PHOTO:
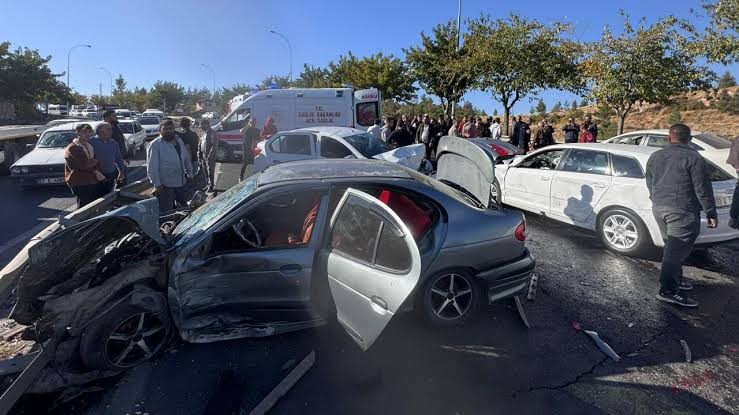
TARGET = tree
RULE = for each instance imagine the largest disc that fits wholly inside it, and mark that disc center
(541, 107)
(674, 116)
(727, 102)
(166, 95)
(517, 57)
(386, 73)
(140, 99)
(643, 64)
(557, 107)
(532, 110)
(727, 80)
(98, 100)
(25, 78)
(120, 85)
(720, 40)
(314, 77)
(271, 80)
(566, 104)
(495, 111)
(440, 67)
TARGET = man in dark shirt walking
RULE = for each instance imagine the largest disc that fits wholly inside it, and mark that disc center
(190, 137)
(110, 117)
(679, 187)
(250, 135)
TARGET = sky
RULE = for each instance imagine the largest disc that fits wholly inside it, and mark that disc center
(146, 41)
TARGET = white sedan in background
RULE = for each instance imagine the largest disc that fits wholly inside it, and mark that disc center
(151, 126)
(135, 136)
(710, 146)
(334, 142)
(601, 187)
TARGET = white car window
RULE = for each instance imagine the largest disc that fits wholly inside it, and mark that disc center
(548, 160)
(333, 149)
(292, 144)
(586, 161)
(624, 166)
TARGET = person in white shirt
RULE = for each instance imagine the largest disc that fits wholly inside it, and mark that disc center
(495, 130)
(387, 129)
(375, 130)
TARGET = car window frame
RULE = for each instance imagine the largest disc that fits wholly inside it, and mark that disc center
(609, 169)
(564, 151)
(319, 153)
(611, 158)
(278, 136)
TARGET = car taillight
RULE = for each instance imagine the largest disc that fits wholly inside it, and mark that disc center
(521, 231)
(500, 150)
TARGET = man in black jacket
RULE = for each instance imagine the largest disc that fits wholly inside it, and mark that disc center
(572, 131)
(679, 187)
(110, 117)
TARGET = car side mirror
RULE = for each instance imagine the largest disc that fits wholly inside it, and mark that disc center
(30, 146)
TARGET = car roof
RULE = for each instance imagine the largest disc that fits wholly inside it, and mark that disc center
(661, 131)
(639, 152)
(340, 132)
(331, 169)
(72, 125)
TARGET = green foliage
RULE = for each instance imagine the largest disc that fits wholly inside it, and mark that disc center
(165, 95)
(727, 103)
(574, 104)
(386, 73)
(541, 107)
(727, 80)
(720, 41)
(674, 116)
(516, 57)
(280, 81)
(25, 77)
(140, 99)
(440, 66)
(314, 77)
(643, 64)
(557, 107)
(495, 111)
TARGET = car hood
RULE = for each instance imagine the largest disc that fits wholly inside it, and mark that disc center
(467, 166)
(149, 128)
(408, 156)
(41, 157)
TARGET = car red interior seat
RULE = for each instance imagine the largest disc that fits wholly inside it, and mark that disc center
(417, 220)
(278, 238)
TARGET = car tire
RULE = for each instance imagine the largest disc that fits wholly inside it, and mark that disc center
(616, 227)
(495, 193)
(223, 153)
(114, 340)
(444, 307)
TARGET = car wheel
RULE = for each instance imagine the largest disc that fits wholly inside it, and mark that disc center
(124, 337)
(495, 193)
(622, 231)
(224, 153)
(449, 298)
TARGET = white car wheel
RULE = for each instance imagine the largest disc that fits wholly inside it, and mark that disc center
(622, 231)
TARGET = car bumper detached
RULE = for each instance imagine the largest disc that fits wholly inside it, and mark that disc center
(509, 279)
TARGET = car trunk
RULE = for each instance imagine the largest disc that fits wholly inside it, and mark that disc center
(467, 167)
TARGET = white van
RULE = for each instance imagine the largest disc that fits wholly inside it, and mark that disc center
(123, 114)
(298, 108)
(153, 113)
(57, 109)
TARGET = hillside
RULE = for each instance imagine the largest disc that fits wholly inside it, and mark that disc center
(708, 119)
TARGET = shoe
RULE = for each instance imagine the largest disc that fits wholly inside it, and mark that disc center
(734, 223)
(679, 299)
(685, 286)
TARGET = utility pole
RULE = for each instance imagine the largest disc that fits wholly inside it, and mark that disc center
(290, 48)
(459, 43)
(100, 84)
(69, 54)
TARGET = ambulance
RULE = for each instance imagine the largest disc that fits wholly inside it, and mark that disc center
(297, 108)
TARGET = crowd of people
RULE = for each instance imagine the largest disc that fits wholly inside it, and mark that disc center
(404, 130)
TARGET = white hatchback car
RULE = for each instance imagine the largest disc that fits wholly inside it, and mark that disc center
(710, 146)
(135, 136)
(601, 187)
(334, 142)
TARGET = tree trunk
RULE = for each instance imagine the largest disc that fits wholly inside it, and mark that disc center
(621, 121)
(506, 114)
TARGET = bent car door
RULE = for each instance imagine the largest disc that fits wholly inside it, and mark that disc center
(528, 183)
(373, 265)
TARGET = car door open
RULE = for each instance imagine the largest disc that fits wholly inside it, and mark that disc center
(373, 265)
(466, 166)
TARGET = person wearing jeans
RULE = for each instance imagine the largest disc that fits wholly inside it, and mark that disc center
(108, 153)
(679, 187)
(169, 167)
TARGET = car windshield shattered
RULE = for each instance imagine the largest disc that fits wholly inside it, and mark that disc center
(368, 145)
(205, 216)
(56, 139)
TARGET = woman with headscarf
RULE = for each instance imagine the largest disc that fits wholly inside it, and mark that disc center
(269, 128)
(81, 170)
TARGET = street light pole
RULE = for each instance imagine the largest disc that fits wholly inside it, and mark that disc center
(213, 74)
(290, 47)
(110, 75)
(459, 43)
(68, 56)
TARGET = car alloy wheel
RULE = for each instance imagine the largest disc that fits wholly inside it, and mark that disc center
(135, 340)
(620, 231)
(451, 296)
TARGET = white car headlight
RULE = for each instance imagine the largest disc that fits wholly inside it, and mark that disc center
(24, 169)
(15, 170)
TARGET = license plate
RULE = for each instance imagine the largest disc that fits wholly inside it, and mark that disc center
(52, 180)
(723, 201)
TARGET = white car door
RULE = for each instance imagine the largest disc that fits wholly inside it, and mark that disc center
(287, 147)
(373, 265)
(580, 182)
(528, 183)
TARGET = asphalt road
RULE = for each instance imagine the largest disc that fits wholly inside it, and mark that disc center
(493, 364)
(27, 211)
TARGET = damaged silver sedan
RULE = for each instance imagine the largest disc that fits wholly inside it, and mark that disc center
(285, 250)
